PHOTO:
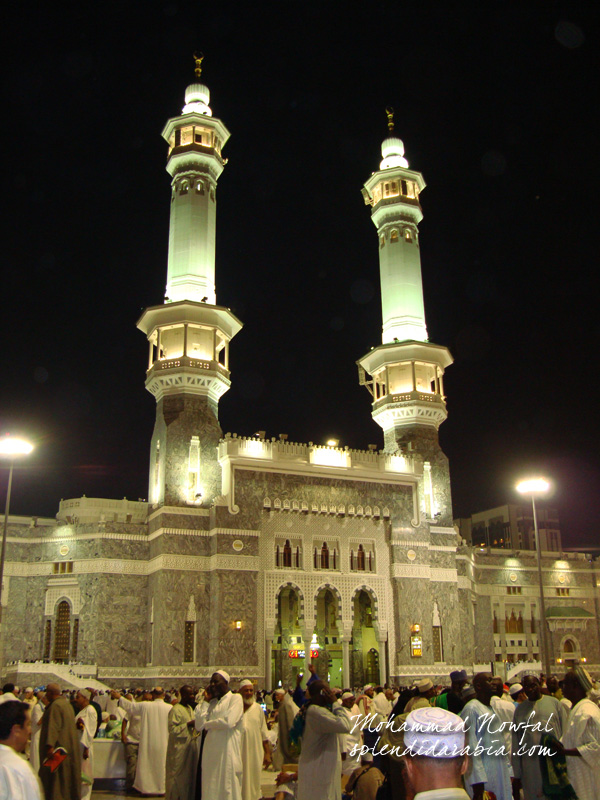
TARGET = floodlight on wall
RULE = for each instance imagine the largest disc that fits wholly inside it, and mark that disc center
(332, 442)
(238, 624)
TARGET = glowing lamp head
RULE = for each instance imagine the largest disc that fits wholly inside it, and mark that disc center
(332, 442)
(10, 446)
(533, 486)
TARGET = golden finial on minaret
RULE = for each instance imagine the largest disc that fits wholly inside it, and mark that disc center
(390, 118)
(198, 68)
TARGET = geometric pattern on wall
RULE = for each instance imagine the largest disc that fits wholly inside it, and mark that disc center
(56, 593)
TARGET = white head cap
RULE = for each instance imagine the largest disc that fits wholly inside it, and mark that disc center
(347, 695)
(434, 732)
(223, 674)
(245, 682)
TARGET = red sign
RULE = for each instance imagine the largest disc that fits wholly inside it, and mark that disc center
(296, 653)
(314, 653)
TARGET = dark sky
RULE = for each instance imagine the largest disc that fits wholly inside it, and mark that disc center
(498, 110)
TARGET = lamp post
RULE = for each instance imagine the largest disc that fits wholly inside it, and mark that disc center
(533, 487)
(10, 448)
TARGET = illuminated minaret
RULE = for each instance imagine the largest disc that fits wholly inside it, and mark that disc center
(189, 335)
(406, 370)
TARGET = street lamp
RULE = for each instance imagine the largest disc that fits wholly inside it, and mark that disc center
(533, 487)
(10, 448)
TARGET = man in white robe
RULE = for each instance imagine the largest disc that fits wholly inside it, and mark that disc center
(17, 781)
(489, 770)
(505, 711)
(86, 721)
(221, 715)
(581, 740)
(150, 776)
(286, 711)
(182, 750)
(351, 742)
(256, 750)
(320, 764)
(36, 721)
(432, 736)
(540, 711)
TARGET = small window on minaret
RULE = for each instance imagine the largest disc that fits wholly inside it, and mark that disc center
(394, 236)
(183, 189)
(177, 138)
(408, 235)
(198, 137)
(382, 242)
(199, 187)
(404, 188)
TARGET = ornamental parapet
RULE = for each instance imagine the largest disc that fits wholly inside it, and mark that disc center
(339, 458)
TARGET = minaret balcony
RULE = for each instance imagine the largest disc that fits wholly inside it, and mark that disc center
(187, 363)
(409, 397)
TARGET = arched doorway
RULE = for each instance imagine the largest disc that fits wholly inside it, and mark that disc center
(287, 658)
(364, 664)
(62, 632)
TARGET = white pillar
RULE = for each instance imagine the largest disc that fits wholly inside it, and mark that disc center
(346, 661)
(381, 642)
(268, 655)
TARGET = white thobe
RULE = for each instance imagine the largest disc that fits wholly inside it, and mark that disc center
(583, 732)
(86, 739)
(351, 741)
(320, 764)
(255, 733)
(182, 755)
(17, 781)
(222, 719)
(481, 724)
(154, 737)
(34, 748)
(547, 712)
(505, 711)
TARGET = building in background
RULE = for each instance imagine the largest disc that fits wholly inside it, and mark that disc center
(510, 527)
(262, 555)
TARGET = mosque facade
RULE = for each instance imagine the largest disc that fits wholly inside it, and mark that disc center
(261, 556)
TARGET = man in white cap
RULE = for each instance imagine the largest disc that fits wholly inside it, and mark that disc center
(286, 712)
(517, 693)
(435, 761)
(221, 715)
(256, 750)
(182, 750)
(150, 775)
(488, 770)
(426, 690)
(86, 725)
(581, 740)
(351, 742)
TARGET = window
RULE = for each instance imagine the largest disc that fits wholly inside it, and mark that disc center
(177, 138)
(562, 591)
(360, 558)
(404, 188)
(47, 638)
(438, 650)
(324, 556)
(188, 641)
(408, 235)
(287, 554)
(394, 236)
(75, 640)
(514, 590)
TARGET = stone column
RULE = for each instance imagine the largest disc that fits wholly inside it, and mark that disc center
(346, 661)
(382, 646)
(307, 633)
(268, 654)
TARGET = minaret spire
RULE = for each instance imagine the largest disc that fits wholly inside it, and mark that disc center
(406, 370)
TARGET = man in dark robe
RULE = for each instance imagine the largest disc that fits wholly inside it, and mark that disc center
(59, 730)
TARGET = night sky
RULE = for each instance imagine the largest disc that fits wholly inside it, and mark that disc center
(497, 109)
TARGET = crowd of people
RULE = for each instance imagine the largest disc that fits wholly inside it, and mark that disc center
(536, 739)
